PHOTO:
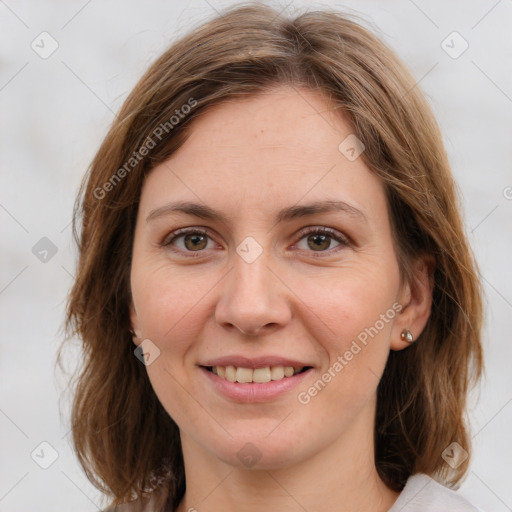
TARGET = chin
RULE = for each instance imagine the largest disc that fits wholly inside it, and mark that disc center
(259, 451)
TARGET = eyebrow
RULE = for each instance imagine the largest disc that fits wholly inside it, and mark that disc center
(286, 214)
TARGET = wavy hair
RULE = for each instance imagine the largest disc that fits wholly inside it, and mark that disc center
(126, 442)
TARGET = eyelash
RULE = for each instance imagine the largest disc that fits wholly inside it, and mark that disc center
(338, 237)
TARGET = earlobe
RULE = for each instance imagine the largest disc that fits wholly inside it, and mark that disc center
(407, 336)
(417, 304)
(134, 329)
(136, 337)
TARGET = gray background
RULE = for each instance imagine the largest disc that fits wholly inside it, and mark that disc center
(54, 113)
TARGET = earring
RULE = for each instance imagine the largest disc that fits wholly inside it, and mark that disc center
(406, 335)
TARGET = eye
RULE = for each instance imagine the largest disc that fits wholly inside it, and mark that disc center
(195, 240)
(191, 240)
(319, 239)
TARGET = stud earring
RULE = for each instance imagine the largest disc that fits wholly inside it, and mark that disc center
(406, 335)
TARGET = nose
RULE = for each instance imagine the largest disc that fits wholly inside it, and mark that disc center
(252, 298)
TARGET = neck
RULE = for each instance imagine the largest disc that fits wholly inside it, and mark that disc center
(341, 478)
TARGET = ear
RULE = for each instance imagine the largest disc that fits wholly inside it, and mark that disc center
(416, 300)
(135, 325)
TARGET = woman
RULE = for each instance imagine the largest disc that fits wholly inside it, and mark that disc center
(278, 304)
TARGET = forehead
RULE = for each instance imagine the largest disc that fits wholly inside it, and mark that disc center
(272, 148)
(289, 120)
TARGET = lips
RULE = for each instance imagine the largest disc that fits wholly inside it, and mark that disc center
(254, 392)
(238, 369)
(259, 375)
(255, 362)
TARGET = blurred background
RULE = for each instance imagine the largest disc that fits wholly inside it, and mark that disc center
(66, 68)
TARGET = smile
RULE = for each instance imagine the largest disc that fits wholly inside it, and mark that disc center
(256, 375)
(254, 385)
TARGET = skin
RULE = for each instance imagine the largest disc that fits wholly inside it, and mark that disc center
(249, 158)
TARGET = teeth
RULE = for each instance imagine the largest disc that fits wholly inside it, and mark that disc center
(289, 371)
(230, 373)
(260, 375)
(277, 372)
(244, 375)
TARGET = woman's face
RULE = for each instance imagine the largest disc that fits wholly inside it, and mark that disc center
(258, 279)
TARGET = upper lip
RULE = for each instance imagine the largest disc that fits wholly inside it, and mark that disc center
(253, 362)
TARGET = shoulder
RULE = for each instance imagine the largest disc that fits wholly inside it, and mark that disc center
(423, 494)
(133, 506)
(152, 504)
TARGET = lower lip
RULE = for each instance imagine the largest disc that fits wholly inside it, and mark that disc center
(250, 392)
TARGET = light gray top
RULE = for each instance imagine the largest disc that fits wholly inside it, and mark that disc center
(420, 494)
(423, 494)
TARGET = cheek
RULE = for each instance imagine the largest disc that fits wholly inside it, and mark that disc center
(167, 303)
(166, 298)
(352, 299)
(351, 317)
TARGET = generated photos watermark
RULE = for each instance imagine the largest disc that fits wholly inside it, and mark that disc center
(150, 143)
(304, 397)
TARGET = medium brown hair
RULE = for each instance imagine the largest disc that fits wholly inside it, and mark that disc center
(124, 439)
